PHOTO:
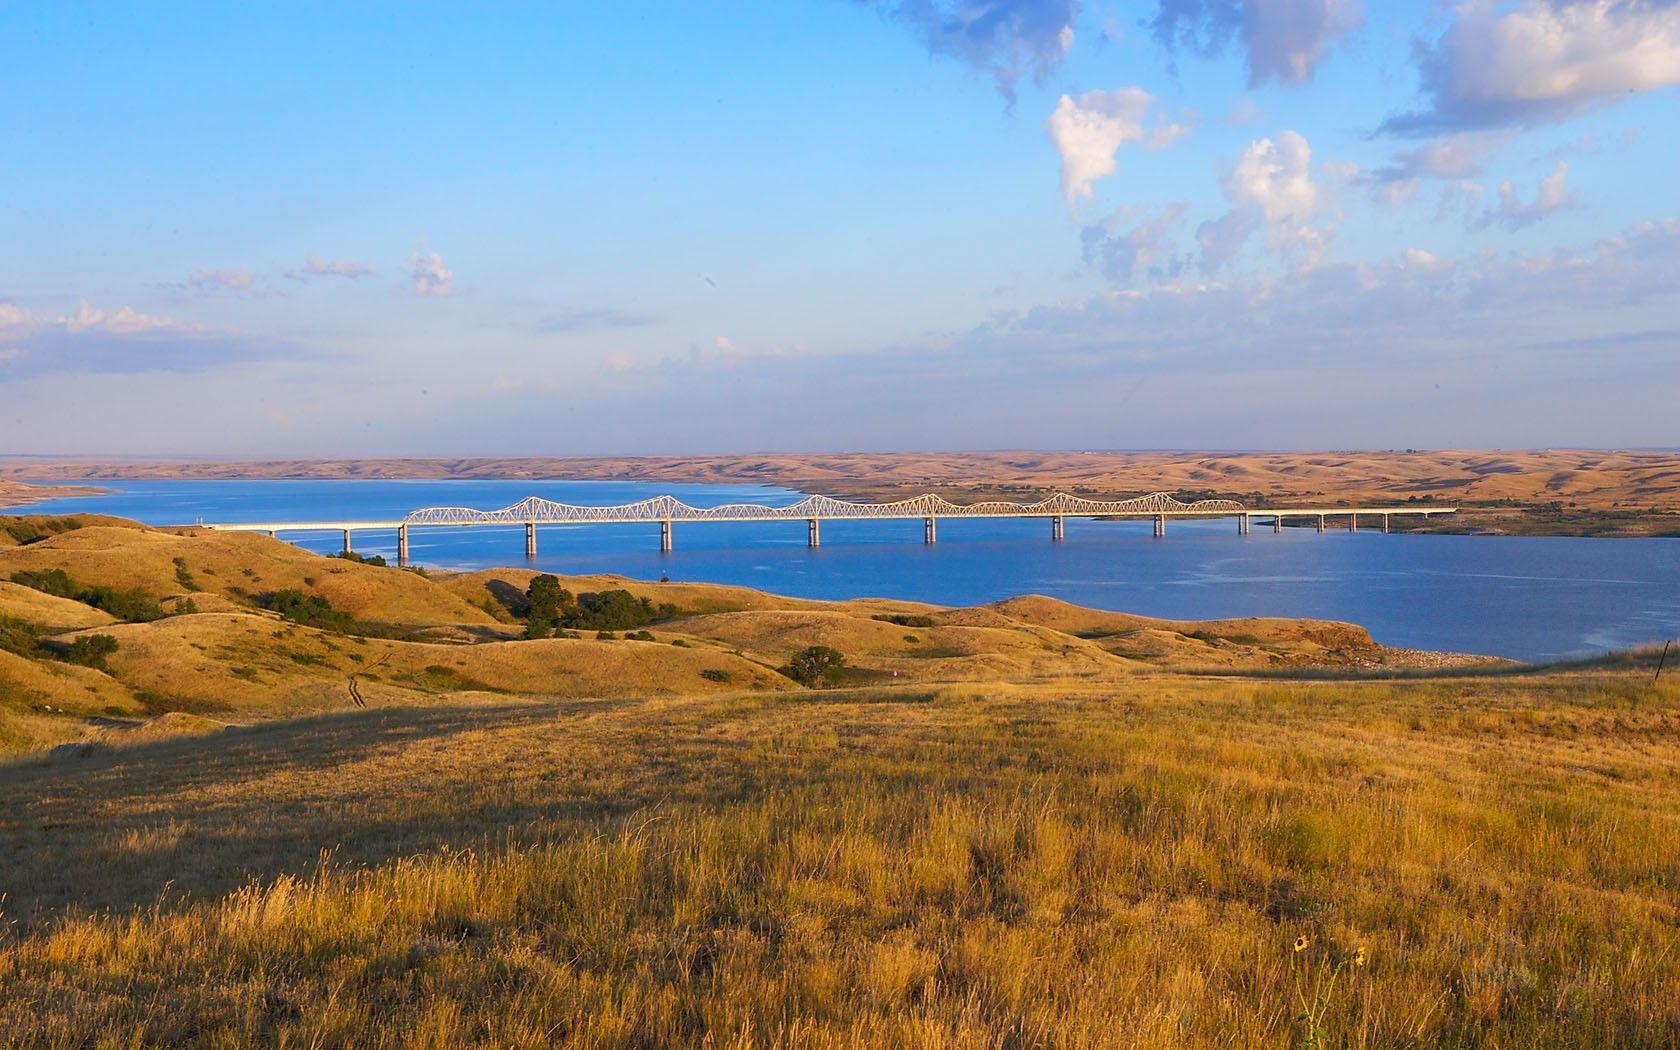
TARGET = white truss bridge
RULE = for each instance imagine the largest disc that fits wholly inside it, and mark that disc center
(668, 510)
(537, 511)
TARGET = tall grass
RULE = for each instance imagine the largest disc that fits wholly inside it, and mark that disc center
(1011, 868)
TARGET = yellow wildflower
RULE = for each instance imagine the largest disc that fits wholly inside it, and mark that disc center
(1301, 943)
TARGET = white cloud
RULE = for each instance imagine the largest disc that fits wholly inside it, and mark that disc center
(1501, 64)
(123, 341)
(1005, 39)
(1270, 187)
(431, 278)
(314, 267)
(1514, 213)
(1287, 39)
(213, 280)
(1452, 157)
(123, 321)
(1123, 255)
(1089, 130)
(1284, 39)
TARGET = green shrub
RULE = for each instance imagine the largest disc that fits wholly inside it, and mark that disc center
(133, 606)
(55, 582)
(815, 665)
(311, 610)
(90, 650)
(904, 619)
(18, 637)
(377, 560)
(616, 610)
(712, 674)
(184, 577)
(605, 636)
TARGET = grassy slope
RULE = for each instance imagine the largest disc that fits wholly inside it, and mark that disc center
(458, 637)
(1118, 864)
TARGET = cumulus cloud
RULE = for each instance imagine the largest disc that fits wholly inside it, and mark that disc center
(1089, 130)
(1270, 188)
(211, 280)
(1514, 213)
(1284, 40)
(1484, 351)
(1003, 39)
(1455, 157)
(1125, 254)
(431, 279)
(122, 341)
(314, 267)
(1499, 64)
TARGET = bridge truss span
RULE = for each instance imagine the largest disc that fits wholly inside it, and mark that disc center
(534, 510)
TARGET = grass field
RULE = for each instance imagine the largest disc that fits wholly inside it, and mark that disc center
(1021, 824)
(1129, 864)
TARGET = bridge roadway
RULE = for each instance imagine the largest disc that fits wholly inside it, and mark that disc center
(533, 511)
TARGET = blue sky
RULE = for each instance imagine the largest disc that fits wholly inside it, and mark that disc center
(640, 228)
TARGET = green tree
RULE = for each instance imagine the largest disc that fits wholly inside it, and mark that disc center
(616, 610)
(815, 665)
(548, 603)
(90, 650)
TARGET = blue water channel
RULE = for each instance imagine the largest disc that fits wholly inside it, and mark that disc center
(1532, 598)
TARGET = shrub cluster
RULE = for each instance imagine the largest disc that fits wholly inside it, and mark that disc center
(904, 619)
(377, 560)
(310, 610)
(132, 606)
(553, 609)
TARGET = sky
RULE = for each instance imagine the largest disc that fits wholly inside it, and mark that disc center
(234, 230)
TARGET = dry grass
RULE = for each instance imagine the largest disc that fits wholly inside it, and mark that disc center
(237, 565)
(458, 637)
(1595, 479)
(1118, 865)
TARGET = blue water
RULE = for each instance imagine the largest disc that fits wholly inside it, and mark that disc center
(1530, 598)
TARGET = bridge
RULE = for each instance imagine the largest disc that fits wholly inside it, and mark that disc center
(813, 510)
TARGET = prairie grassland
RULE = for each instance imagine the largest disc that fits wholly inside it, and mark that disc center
(1127, 864)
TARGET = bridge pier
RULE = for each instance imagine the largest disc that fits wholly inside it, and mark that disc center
(1277, 523)
(1058, 529)
(1321, 523)
(347, 541)
(530, 539)
(930, 531)
(813, 533)
(1242, 525)
(665, 545)
(402, 544)
(1385, 523)
(1160, 525)
(1353, 523)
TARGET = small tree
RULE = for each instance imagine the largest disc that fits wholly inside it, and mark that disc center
(548, 601)
(815, 665)
(90, 650)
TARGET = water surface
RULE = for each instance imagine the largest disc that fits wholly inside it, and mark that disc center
(1531, 598)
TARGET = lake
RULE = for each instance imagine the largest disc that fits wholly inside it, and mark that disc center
(1532, 598)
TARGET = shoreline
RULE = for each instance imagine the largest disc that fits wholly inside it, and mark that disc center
(1581, 493)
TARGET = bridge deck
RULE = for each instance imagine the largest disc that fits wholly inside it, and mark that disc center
(1254, 512)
